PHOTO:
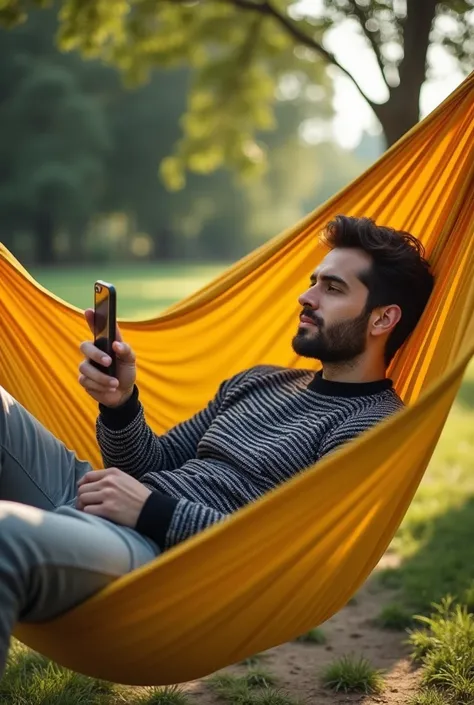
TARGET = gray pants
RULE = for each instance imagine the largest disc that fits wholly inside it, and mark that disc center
(52, 556)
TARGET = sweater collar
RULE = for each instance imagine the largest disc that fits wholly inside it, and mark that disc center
(347, 389)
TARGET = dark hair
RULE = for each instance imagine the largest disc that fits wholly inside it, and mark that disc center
(399, 273)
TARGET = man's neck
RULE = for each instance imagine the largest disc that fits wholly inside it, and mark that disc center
(355, 372)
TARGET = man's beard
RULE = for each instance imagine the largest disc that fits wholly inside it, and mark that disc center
(341, 342)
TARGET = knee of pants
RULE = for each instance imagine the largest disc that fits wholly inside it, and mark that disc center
(21, 531)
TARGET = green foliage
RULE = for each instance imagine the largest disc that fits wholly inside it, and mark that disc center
(95, 147)
(446, 650)
(314, 636)
(350, 674)
(239, 54)
(394, 616)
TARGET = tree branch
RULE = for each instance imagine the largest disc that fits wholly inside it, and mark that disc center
(362, 17)
(267, 9)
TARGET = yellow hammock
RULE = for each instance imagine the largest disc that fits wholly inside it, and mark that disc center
(294, 558)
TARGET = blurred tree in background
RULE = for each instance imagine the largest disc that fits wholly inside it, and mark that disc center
(221, 89)
(240, 50)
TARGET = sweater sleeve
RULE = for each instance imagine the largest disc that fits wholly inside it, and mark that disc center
(169, 521)
(126, 440)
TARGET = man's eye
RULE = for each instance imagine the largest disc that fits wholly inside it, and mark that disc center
(332, 288)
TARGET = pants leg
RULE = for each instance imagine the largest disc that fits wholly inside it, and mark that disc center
(52, 557)
(52, 561)
(35, 467)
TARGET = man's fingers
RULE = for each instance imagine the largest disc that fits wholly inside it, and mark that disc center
(92, 476)
(92, 352)
(99, 380)
(87, 495)
(95, 475)
(97, 387)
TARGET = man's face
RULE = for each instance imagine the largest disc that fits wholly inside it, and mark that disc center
(333, 320)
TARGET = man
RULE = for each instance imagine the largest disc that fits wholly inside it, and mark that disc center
(67, 531)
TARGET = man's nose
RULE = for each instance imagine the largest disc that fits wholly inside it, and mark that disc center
(310, 299)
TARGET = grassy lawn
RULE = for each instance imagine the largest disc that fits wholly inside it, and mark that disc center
(434, 542)
(143, 290)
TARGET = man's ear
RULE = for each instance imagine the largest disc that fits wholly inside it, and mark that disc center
(385, 319)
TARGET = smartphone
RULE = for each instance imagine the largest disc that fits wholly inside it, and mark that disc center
(105, 323)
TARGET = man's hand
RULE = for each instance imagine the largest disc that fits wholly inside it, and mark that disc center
(110, 391)
(112, 494)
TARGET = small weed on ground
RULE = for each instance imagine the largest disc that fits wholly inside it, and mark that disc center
(232, 689)
(445, 649)
(170, 695)
(350, 674)
(253, 660)
(314, 636)
(259, 678)
(253, 688)
(430, 697)
(275, 697)
(394, 616)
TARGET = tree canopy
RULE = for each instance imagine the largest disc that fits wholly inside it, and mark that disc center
(79, 156)
(240, 51)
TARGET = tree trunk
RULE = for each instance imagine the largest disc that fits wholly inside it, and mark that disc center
(399, 114)
(402, 111)
(43, 227)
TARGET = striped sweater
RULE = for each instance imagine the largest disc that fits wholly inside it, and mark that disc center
(263, 426)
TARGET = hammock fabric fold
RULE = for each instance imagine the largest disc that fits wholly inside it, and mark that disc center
(291, 560)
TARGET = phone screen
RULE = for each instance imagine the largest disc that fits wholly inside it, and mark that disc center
(101, 318)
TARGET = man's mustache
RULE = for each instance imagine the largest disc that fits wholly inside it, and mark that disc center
(313, 318)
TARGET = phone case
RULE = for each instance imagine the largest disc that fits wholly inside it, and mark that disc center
(106, 345)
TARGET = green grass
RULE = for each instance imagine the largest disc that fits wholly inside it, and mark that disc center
(31, 679)
(253, 688)
(394, 616)
(445, 649)
(171, 695)
(435, 539)
(351, 674)
(314, 636)
(430, 697)
(143, 290)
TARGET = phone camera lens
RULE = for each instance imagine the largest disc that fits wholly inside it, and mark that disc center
(98, 288)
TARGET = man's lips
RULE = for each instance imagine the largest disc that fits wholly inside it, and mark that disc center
(306, 321)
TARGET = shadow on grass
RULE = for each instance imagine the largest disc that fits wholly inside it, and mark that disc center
(443, 564)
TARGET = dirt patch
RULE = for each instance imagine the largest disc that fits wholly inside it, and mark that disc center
(352, 631)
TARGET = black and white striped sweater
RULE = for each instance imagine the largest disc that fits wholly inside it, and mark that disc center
(263, 426)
